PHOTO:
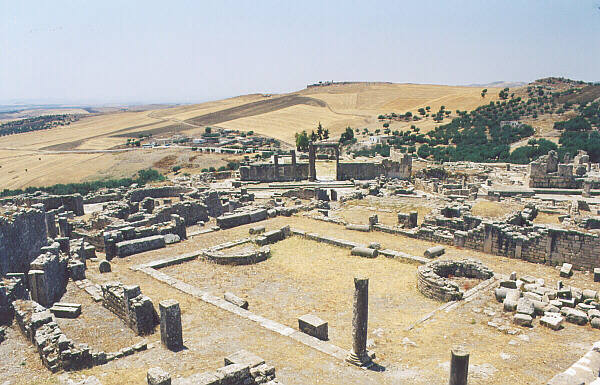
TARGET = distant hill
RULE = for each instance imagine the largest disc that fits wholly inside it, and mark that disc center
(498, 84)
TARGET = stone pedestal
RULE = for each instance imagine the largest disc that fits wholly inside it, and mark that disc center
(170, 324)
(358, 355)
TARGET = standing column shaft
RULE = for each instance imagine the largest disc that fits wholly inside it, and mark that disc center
(312, 170)
(358, 355)
(459, 367)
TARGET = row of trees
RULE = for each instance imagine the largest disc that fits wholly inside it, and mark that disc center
(34, 124)
(303, 138)
(142, 177)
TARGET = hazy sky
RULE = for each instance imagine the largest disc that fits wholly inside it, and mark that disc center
(190, 51)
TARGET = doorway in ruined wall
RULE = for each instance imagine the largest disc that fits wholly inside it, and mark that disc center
(323, 161)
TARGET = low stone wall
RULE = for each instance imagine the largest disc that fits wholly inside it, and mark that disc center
(56, 350)
(370, 170)
(12, 288)
(584, 371)
(140, 245)
(128, 303)
(242, 218)
(269, 172)
(72, 202)
(242, 257)
(433, 283)
(156, 192)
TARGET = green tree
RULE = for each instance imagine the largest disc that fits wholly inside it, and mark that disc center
(484, 92)
(313, 136)
(326, 134)
(207, 130)
(347, 135)
(302, 141)
(320, 131)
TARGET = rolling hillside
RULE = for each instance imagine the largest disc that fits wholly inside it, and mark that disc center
(63, 154)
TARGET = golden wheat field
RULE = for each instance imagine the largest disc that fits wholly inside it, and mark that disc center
(85, 150)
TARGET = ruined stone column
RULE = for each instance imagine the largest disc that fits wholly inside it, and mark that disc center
(337, 162)
(459, 367)
(312, 170)
(293, 153)
(276, 160)
(358, 355)
(170, 324)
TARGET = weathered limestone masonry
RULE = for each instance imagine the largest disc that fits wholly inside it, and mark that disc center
(269, 172)
(237, 219)
(514, 236)
(366, 171)
(156, 192)
(547, 172)
(241, 368)
(12, 288)
(56, 350)
(139, 245)
(128, 303)
(433, 282)
(48, 278)
(22, 235)
(72, 202)
(584, 371)
(170, 324)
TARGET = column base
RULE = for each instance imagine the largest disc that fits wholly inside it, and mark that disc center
(363, 361)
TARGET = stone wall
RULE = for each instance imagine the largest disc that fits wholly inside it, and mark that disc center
(55, 349)
(48, 278)
(12, 288)
(156, 192)
(371, 170)
(268, 172)
(22, 235)
(129, 304)
(433, 281)
(242, 218)
(71, 202)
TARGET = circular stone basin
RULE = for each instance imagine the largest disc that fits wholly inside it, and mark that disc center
(433, 281)
(238, 256)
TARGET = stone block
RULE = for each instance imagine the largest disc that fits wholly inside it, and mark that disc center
(522, 319)
(313, 326)
(245, 358)
(566, 271)
(596, 274)
(576, 317)
(232, 298)
(509, 305)
(552, 322)
(170, 324)
(157, 376)
(66, 310)
(525, 306)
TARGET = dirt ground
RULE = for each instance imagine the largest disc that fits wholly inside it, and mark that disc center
(303, 277)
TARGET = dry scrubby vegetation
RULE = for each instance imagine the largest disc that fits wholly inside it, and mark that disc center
(486, 133)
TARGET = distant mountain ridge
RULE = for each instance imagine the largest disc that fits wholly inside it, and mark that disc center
(499, 84)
